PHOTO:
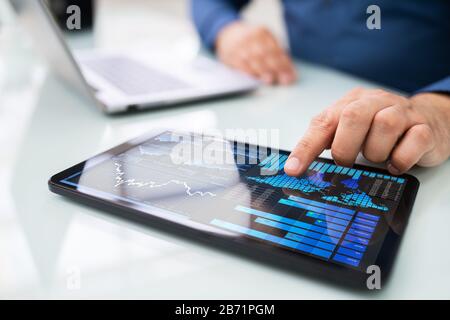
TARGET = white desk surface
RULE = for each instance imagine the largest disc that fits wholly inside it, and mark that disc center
(46, 240)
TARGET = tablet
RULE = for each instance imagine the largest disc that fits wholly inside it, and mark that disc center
(333, 222)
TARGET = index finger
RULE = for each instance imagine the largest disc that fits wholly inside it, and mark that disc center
(318, 137)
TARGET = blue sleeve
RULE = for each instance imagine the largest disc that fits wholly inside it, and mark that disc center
(442, 86)
(210, 16)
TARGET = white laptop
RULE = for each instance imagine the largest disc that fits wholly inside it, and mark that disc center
(118, 82)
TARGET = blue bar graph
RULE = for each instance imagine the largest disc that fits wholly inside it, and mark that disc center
(267, 160)
(315, 243)
(353, 246)
(354, 173)
(365, 221)
(274, 162)
(292, 222)
(359, 233)
(322, 234)
(271, 238)
(312, 165)
(367, 216)
(329, 225)
(327, 222)
(318, 166)
(351, 253)
(329, 234)
(328, 218)
(314, 209)
(362, 227)
(356, 239)
(322, 205)
(270, 216)
(347, 260)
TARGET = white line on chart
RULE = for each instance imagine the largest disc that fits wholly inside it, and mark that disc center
(152, 184)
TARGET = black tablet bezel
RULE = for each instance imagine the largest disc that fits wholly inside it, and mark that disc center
(297, 262)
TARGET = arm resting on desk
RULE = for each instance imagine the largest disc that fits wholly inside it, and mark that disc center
(251, 49)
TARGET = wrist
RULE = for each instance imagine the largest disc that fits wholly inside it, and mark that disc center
(435, 108)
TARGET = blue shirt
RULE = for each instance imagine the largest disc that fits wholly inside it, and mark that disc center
(410, 52)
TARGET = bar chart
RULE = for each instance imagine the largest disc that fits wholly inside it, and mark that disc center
(354, 174)
(323, 231)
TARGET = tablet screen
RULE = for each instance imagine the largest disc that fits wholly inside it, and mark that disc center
(332, 213)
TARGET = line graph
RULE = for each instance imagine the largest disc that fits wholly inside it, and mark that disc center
(152, 184)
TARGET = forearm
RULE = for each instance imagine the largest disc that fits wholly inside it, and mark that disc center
(210, 16)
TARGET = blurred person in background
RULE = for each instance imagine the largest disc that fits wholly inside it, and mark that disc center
(409, 50)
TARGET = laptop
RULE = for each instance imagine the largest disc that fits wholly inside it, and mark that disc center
(117, 81)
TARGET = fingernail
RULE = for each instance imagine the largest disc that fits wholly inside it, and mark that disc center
(292, 164)
(392, 169)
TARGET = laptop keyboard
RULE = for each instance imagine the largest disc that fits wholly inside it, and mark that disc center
(133, 77)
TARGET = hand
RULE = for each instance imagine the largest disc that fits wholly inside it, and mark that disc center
(384, 126)
(255, 50)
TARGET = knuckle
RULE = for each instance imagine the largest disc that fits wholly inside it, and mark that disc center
(386, 121)
(352, 113)
(323, 121)
(423, 133)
